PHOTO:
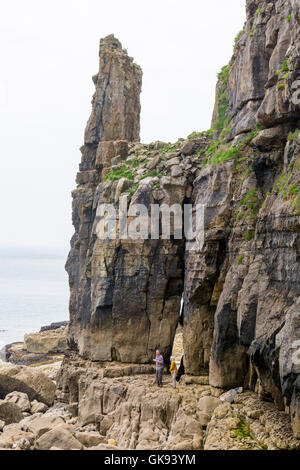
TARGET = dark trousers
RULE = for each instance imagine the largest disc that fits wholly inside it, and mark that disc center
(159, 374)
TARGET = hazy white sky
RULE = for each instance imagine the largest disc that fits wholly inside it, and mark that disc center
(48, 53)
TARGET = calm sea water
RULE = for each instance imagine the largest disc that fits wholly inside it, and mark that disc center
(33, 292)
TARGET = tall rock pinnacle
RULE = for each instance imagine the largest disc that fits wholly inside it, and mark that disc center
(116, 103)
(113, 124)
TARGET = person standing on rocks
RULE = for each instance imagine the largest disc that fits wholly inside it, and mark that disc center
(159, 360)
(173, 371)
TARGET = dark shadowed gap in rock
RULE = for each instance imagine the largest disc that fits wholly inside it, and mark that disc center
(204, 281)
(72, 345)
(264, 172)
(181, 311)
(175, 287)
(248, 323)
(265, 358)
(177, 349)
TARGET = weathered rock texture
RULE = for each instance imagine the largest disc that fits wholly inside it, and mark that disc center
(122, 404)
(110, 306)
(269, 38)
(126, 406)
(241, 317)
(258, 313)
(45, 342)
(26, 380)
(118, 406)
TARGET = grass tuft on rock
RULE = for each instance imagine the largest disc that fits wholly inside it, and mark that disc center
(118, 174)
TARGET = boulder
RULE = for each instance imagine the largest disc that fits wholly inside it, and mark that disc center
(171, 155)
(73, 409)
(153, 163)
(45, 342)
(40, 425)
(23, 444)
(13, 433)
(231, 394)
(90, 439)
(197, 380)
(26, 380)
(176, 171)
(38, 407)
(10, 412)
(172, 162)
(269, 137)
(20, 399)
(60, 437)
(60, 410)
(158, 145)
(188, 147)
(206, 407)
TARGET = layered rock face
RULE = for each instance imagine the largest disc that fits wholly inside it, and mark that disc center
(258, 313)
(115, 121)
(241, 290)
(259, 89)
(125, 294)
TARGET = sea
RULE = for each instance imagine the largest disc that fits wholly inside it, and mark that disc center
(34, 291)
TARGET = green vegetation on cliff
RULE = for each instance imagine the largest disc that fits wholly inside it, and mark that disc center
(118, 174)
(223, 102)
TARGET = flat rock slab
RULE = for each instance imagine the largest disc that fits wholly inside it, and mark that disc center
(40, 425)
(60, 437)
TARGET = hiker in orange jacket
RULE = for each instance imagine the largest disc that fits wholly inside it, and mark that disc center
(173, 370)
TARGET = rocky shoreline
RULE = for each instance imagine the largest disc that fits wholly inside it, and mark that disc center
(79, 404)
(46, 346)
(120, 408)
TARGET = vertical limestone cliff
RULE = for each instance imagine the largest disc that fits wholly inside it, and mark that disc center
(258, 313)
(241, 291)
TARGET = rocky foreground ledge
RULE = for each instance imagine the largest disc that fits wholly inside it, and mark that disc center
(92, 406)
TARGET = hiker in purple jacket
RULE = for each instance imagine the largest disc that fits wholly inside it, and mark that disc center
(159, 368)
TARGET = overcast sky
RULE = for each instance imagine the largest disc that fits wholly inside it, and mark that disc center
(48, 53)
